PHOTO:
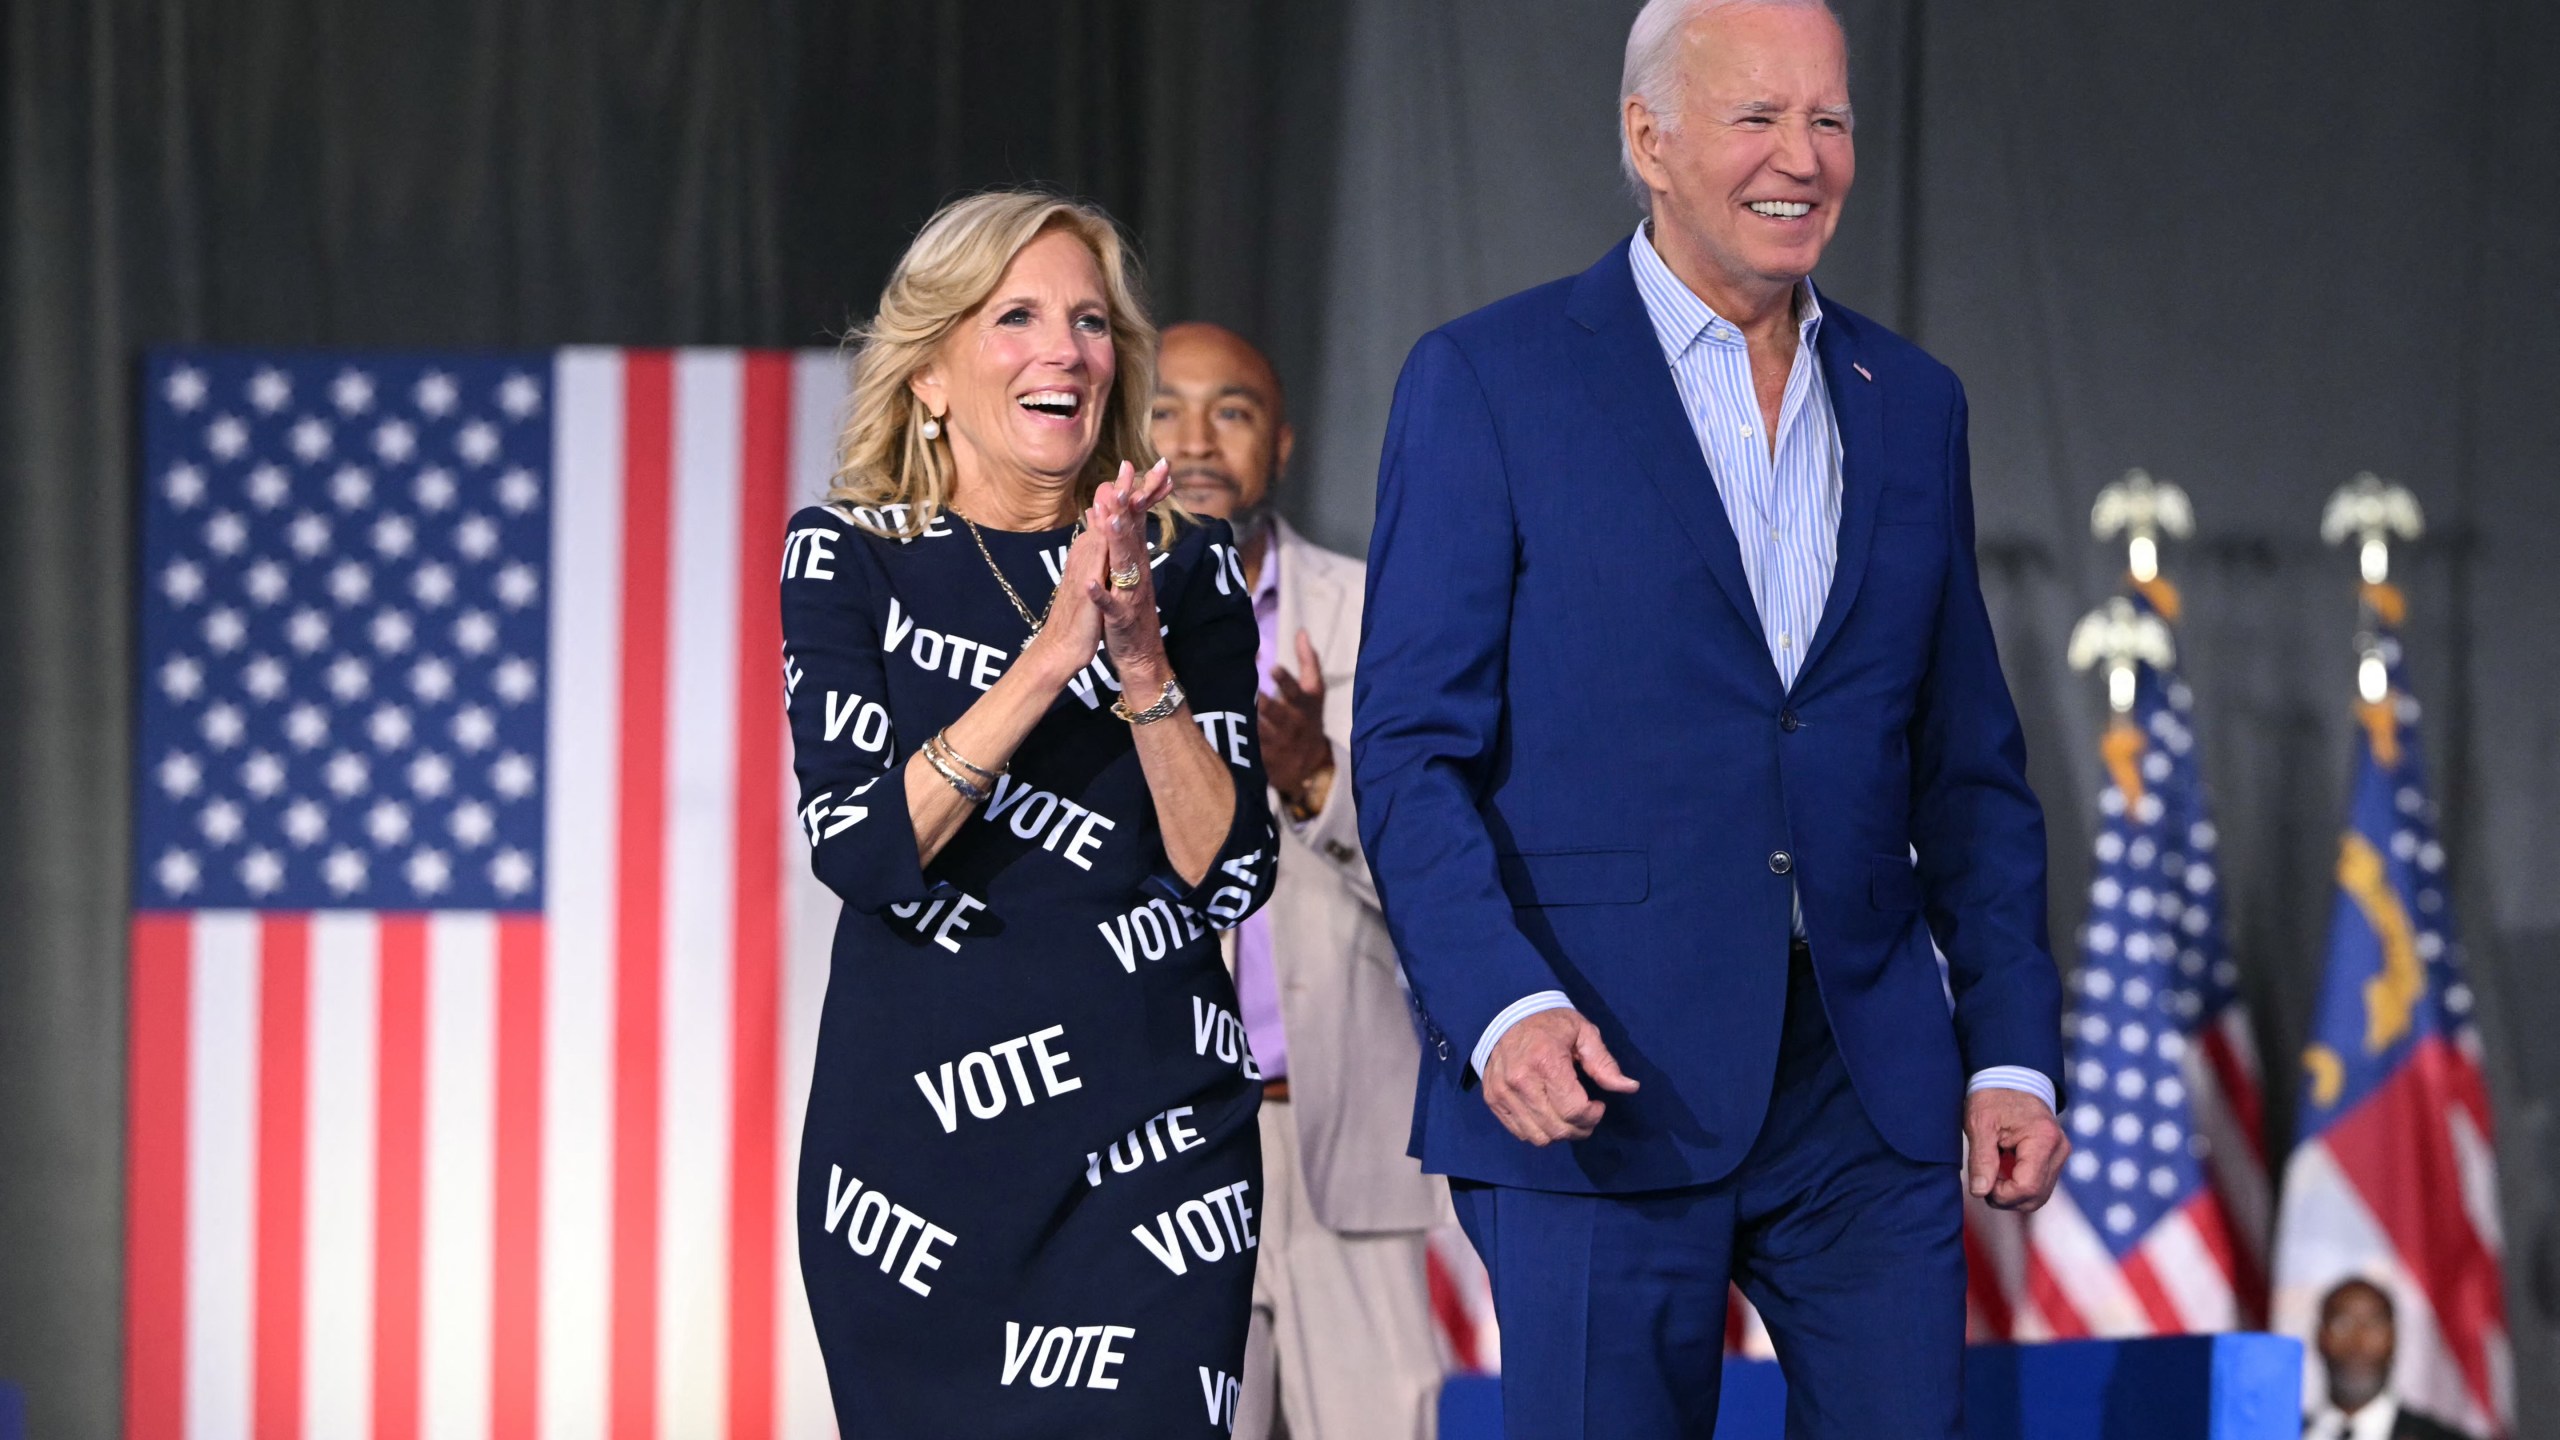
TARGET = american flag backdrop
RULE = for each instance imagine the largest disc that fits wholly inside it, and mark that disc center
(2160, 1223)
(475, 970)
(2393, 1176)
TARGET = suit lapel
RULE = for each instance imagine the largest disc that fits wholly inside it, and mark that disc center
(1292, 580)
(1321, 617)
(1632, 392)
(1858, 408)
(1309, 600)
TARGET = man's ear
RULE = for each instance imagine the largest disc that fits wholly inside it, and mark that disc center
(1283, 448)
(1644, 138)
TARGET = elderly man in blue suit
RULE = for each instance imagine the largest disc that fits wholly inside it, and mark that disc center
(1679, 736)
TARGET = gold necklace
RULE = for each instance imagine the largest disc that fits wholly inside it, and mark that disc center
(1019, 608)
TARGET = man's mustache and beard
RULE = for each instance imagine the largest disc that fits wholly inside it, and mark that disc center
(1201, 482)
(2354, 1384)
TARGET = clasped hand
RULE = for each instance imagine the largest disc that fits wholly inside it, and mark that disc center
(1088, 613)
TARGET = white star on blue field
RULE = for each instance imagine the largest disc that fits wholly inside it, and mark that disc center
(344, 622)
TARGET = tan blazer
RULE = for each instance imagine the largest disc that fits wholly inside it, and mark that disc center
(1352, 1048)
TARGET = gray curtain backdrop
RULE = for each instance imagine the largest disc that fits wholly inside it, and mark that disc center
(2253, 249)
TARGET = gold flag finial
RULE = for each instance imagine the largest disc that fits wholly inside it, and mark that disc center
(2120, 637)
(2142, 509)
(2373, 512)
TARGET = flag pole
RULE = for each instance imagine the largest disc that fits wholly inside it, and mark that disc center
(2372, 511)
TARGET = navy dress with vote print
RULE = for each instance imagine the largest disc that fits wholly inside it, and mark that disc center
(1030, 1186)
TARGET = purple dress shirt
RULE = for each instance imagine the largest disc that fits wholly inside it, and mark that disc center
(1257, 984)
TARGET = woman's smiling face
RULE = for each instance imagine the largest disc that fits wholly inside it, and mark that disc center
(1022, 383)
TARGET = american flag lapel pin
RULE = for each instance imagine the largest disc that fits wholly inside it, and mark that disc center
(1863, 372)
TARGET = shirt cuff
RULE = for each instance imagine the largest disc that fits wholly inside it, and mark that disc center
(1512, 1014)
(2005, 1077)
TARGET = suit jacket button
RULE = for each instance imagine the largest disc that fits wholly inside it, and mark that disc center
(1338, 852)
(1780, 862)
(1787, 721)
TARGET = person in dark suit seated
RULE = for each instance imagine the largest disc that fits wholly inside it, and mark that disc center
(2358, 1335)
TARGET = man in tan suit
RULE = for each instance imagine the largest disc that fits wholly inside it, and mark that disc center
(1341, 1346)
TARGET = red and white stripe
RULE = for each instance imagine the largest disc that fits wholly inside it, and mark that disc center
(1745, 1333)
(2177, 1281)
(2050, 1276)
(1462, 1304)
(1995, 1273)
(463, 1174)
(2230, 1113)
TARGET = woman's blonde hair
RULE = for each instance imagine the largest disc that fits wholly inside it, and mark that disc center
(882, 458)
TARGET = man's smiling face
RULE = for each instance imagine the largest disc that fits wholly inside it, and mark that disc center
(1752, 168)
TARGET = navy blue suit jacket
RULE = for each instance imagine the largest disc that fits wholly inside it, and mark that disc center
(1576, 768)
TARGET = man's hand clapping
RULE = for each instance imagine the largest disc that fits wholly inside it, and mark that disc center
(1295, 751)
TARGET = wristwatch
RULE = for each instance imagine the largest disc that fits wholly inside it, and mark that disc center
(1165, 705)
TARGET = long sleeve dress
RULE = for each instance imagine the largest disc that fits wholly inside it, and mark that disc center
(1029, 1184)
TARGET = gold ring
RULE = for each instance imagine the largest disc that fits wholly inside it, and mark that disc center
(1128, 579)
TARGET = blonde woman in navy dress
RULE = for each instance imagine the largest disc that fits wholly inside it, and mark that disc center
(1021, 694)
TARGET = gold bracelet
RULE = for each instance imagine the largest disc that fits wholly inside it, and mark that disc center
(942, 741)
(951, 777)
(1170, 701)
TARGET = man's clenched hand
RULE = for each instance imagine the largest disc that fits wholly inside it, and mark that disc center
(1533, 1080)
(2014, 1148)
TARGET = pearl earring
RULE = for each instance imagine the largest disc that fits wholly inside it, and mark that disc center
(932, 428)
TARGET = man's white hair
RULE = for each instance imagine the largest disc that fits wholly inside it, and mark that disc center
(1652, 71)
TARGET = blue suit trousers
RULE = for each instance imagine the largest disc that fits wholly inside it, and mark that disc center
(1613, 1306)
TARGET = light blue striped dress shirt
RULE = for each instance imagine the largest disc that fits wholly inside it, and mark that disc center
(1782, 500)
